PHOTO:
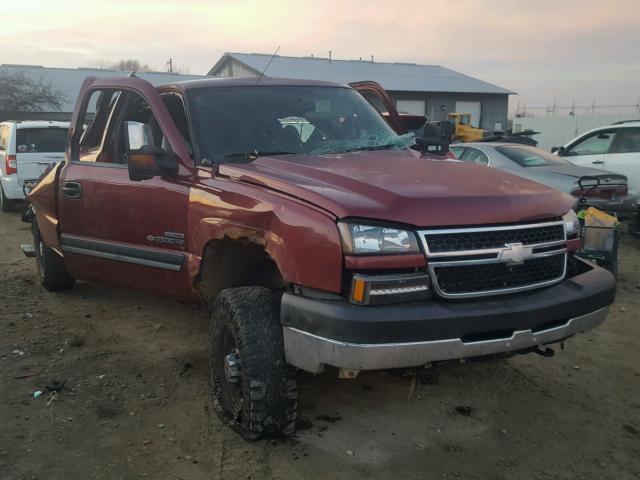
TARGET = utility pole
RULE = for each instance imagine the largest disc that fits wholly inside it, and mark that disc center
(170, 65)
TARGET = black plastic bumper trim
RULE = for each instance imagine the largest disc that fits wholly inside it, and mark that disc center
(443, 319)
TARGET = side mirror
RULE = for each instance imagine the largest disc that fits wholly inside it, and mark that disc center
(554, 149)
(144, 159)
(436, 138)
(560, 151)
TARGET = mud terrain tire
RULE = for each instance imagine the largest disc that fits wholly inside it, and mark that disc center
(51, 269)
(259, 398)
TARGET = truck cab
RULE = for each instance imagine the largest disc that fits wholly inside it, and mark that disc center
(316, 234)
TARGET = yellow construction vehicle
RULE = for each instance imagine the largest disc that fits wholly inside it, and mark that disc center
(462, 129)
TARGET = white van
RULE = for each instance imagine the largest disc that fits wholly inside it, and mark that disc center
(26, 150)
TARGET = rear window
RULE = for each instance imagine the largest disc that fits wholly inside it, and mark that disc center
(33, 140)
(531, 156)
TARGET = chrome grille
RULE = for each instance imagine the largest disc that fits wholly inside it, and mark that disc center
(486, 261)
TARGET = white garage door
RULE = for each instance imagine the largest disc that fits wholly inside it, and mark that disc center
(414, 107)
(474, 108)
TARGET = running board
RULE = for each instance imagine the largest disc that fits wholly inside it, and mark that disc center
(28, 250)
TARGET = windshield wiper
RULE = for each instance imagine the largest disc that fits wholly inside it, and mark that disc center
(255, 154)
(386, 146)
(266, 154)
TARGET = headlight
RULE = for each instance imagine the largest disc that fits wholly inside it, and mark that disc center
(571, 224)
(360, 239)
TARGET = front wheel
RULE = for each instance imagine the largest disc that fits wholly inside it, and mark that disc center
(254, 389)
(51, 268)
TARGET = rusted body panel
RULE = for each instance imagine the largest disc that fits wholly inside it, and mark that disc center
(301, 239)
(43, 196)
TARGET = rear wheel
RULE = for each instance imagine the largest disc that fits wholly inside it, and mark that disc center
(51, 268)
(254, 389)
(6, 205)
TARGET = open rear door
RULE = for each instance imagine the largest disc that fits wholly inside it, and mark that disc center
(380, 100)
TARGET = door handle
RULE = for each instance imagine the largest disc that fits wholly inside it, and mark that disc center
(598, 162)
(71, 190)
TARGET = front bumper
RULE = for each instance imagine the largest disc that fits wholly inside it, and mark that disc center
(337, 333)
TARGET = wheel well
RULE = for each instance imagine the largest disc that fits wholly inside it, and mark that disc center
(230, 263)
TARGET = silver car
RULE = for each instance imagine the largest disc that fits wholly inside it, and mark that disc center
(551, 170)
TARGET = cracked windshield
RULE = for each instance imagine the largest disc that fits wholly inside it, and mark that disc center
(240, 124)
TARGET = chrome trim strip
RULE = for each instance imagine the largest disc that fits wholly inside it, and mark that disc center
(464, 253)
(121, 258)
(311, 352)
(484, 293)
(397, 290)
(492, 229)
(148, 257)
(480, 261)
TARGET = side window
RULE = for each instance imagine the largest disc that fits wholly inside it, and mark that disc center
(93, 144)
(457, 151)
(175, 105)
(628, 141)
(3, 137)
(135, 108)
(597, 143)
(474, 155)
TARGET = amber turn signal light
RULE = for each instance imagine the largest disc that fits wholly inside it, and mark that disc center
(381, 289)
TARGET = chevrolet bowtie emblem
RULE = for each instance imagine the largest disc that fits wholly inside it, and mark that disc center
(515, 253)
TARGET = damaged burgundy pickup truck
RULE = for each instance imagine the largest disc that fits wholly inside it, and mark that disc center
(315, 233)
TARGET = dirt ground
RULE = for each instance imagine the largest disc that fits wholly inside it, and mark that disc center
(135, 403)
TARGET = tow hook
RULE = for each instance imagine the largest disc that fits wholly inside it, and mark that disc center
(546, 352)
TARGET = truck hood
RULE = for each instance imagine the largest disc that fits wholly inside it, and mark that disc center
(402, 186)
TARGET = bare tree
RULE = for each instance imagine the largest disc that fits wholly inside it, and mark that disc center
(20, 92)
(131, 65)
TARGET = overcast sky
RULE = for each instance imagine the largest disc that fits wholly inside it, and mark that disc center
(560, 50)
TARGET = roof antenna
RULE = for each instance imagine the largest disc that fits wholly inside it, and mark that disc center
(132, 74)
(268, 64)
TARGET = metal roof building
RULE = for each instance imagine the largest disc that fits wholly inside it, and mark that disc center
(430, 90)
(69, 81)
